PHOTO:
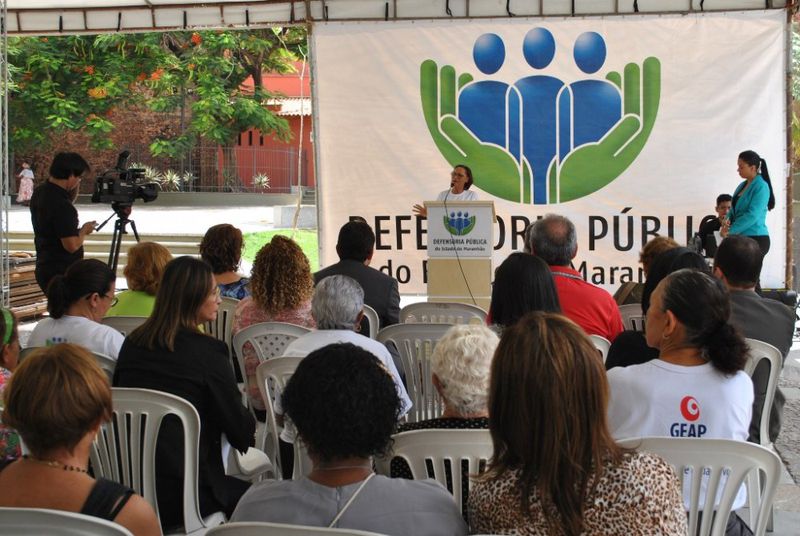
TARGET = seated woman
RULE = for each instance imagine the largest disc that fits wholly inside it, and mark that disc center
(9, 356)
(281, 288)
(143, 272)
(57, 399)
(221, 247)
(630, 347)
(547, 417)
(631, 292)
(522, 284)
(169, 353)
(345, 407)
(697, 387)
(77, 301)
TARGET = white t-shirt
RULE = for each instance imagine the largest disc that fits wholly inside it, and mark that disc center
(91, 335)
(305, 344)
(466, 195)
(662, 399)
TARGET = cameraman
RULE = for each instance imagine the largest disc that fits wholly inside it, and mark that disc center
(58, 238)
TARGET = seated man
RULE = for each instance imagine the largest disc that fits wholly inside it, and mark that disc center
(355, 247)
(738, 264)
(553, 239)
(710, 224)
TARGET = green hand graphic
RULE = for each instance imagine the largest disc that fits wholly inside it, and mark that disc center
(591, 167)
(495, 170)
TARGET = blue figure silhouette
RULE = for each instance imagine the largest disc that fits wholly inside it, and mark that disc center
(482, 104)
(595, 105)
(539, 94)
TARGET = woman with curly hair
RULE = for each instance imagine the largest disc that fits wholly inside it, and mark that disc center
(345, 407)
(143, 272)
(281, 285)
(221, 247)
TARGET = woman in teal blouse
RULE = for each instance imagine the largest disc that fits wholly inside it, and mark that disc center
(751, 200)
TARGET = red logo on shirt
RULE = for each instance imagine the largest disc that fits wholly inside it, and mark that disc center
(690, 409)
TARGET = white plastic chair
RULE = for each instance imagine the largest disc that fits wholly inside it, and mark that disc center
(108, 364)
(221, 328)
(373, 319)
(39, 521)
(759, 351)
(632, 317)
(602, 344)
(273, 375)
(442, 313)
(415, 343)
(125, 449)
(445, 450)
(280, 529)
(268, 339)
(124, 324)
(710, 459)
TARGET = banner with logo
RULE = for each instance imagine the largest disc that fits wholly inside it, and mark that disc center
(629, 126)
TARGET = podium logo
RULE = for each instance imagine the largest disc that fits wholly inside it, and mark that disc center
(540, 139)
(458, 223)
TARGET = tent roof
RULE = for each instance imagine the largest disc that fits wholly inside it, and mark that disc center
(41, 17)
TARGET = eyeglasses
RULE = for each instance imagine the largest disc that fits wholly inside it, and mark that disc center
(114, 299)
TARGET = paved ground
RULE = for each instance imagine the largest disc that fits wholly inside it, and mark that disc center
(194, 220)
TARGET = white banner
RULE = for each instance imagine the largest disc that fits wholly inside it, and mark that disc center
(629, 126)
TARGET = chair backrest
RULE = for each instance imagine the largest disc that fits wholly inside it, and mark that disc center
(632, 316)
(125, 447)
(602, 344)
(719, 463)
(759, 351)
(373, 319)
(124, 324)
(106, 363)
(442, 313)
(447, 451)
(415, 343)
(280, 529)
(268, 339)
(38, 521)
(272, 376)
(221, 327)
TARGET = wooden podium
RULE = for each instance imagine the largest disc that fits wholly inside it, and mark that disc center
(460, 245)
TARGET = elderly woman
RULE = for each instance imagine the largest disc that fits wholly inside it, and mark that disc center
(221, 247)
(556, 468)
(345, 408)
(77, 301)
(281, 288)
(57, 399)
(143, 272)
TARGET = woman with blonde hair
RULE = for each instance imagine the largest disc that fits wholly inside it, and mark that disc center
(57, 400)
(143, 272)
(282, 285)
(556, 468)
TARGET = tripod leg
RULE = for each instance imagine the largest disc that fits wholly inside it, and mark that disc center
(135, 232)
(116, 244)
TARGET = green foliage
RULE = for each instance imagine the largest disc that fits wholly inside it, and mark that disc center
(75, 82)
(307, 240)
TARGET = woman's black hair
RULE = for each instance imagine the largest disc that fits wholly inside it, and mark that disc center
(83, 277)
(343, 402)
(468, 171)
(522, 283)
(700, 302)
(751, 158)
(667, 262)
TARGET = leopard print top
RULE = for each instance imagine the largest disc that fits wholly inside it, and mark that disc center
(638, 497)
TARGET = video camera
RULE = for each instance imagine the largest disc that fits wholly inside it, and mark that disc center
(122, 186)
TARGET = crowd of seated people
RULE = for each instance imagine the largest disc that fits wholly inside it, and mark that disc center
(531, 377)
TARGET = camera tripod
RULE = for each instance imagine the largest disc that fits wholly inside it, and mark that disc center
(119, 229)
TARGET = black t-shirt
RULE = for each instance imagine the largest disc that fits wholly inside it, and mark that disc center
(54, 217)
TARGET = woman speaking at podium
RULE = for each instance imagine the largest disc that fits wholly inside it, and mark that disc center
(460, 182)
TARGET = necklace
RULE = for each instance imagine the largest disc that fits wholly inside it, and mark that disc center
(57, 465)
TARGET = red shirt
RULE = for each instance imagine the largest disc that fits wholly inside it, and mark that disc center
(591, 307)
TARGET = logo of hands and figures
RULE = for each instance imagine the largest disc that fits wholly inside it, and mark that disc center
(459, 223)
(541, 140)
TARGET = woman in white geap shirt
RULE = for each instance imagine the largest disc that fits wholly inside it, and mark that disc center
(460, 181)
(77, 301)
(697, 387)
